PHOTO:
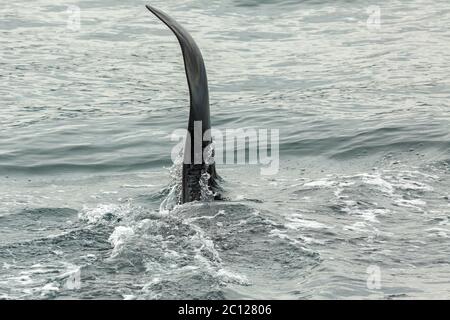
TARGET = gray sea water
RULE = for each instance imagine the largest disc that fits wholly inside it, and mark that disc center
(360, 206)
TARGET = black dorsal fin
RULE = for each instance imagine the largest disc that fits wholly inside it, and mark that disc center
(195, 72)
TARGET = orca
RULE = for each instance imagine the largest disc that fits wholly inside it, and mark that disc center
(197, 174)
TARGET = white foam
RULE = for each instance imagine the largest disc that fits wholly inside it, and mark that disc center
(136, 186)
(413, 185)
(370, 215)
(296, 223)
(219, 213)
(171, 254)
(320, 183)
(357, 226)
(231, 277)
(49, 288)
(95, 215)
(23, 279)
(282, 235)
(119, 237)
(170, 202)
(377, 180)
(415, 203)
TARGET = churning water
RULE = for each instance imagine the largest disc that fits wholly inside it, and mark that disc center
(359, 208)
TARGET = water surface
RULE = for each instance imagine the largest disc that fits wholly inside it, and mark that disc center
(362, 188)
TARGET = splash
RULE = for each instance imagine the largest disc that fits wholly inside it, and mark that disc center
(118, 238)
(104, 213)
(207, 194)
(173, 198)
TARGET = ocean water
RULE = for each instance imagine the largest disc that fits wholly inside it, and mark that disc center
(359, 207)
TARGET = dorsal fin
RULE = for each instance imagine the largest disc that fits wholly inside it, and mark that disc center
(199, 111)
(195, 72)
